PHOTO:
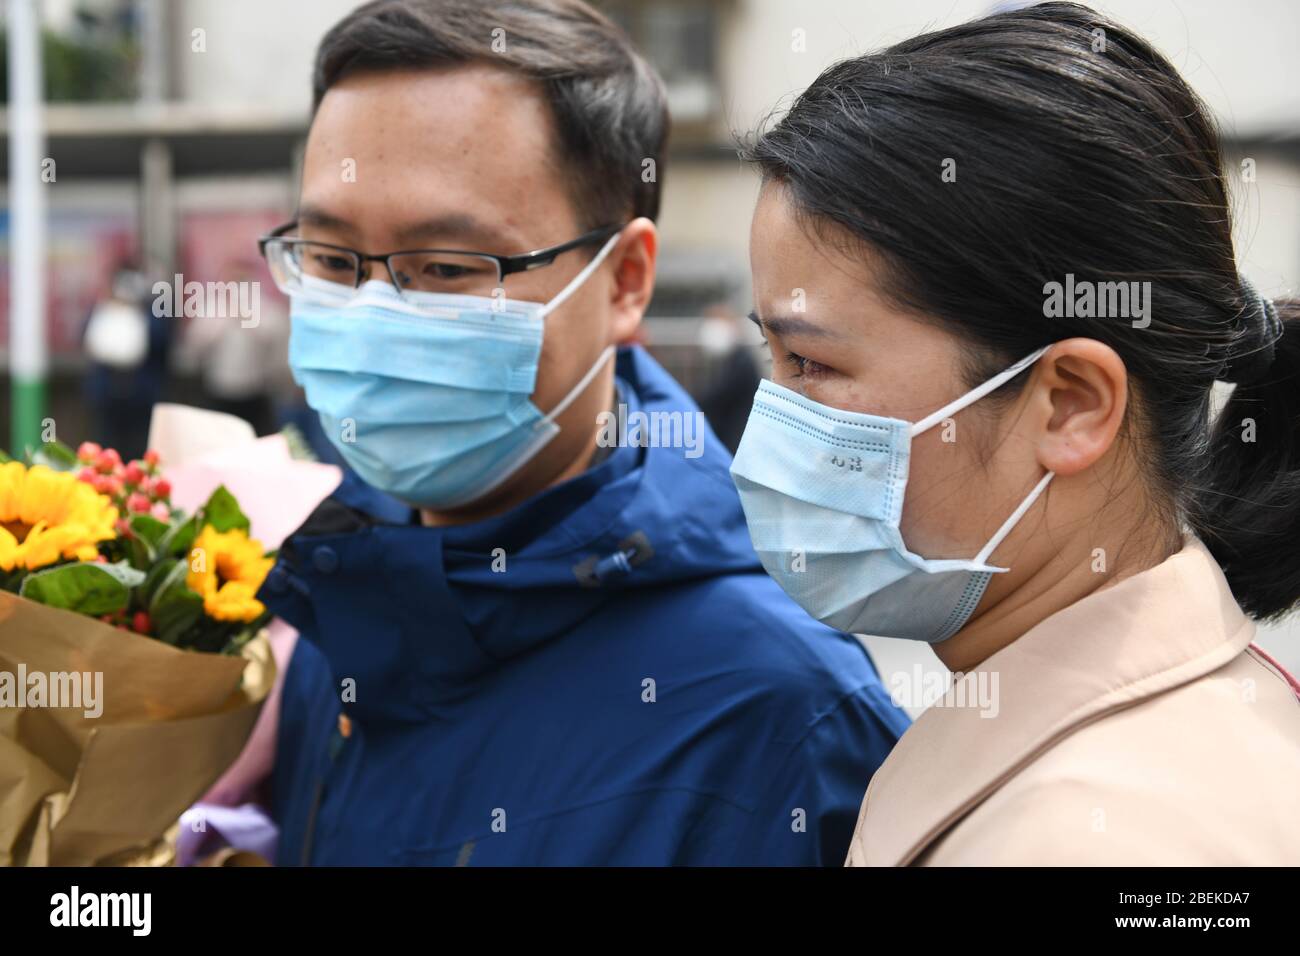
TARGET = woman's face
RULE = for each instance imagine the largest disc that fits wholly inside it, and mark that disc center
(835, 339)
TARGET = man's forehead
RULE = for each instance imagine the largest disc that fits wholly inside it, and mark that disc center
(431, 167)
(465, 108)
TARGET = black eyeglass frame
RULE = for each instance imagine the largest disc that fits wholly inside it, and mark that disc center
(506, 265)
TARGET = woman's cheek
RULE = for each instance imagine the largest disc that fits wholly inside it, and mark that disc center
(943, 507)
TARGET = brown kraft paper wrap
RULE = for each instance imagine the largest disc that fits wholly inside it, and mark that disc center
(108, 789)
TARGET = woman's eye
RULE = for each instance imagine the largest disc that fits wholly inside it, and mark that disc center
(804, 366)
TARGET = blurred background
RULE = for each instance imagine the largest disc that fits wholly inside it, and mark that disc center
(173, 128)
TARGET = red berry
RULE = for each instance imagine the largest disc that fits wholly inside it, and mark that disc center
(162, 488)
(134, 473)
(140, 623)
(108, 461)
(138, 503)
(88, 451)
(87, 475)
(151, 458)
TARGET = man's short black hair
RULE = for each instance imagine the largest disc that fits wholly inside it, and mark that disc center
(608, 103)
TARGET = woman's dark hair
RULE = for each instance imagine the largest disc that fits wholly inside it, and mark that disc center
(609, 105)
(1077, 150)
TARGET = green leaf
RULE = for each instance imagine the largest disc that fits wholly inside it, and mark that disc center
(86, 587)
(56, 455)
(180, 537)
(154, 578)
(4, 458)
(223, 512)
(172, 580)
(149, 528)
(299, 448)
(143, 546)
(174, 612)
(128, 576)
(139, 553)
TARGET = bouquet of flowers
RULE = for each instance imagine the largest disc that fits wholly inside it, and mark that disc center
(132, 659)
(101, 539)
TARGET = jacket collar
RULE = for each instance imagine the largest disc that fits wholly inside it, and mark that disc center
(416, 615)
(408, 611)
(1151, 632)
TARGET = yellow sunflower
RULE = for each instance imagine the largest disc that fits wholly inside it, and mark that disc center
(227, 568)
(47, 516)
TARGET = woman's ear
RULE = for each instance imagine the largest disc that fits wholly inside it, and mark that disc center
(1079, 393)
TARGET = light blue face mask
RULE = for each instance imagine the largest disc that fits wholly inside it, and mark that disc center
(823, 490)
(427, 396)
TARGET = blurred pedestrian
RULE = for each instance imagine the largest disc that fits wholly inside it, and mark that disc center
(241, 360)
(126, 346)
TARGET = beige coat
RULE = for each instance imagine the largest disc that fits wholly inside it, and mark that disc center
(1138, 726)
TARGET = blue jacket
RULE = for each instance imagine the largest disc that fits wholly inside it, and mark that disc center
(571, 707)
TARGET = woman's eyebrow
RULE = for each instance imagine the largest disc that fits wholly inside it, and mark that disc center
(793, 325)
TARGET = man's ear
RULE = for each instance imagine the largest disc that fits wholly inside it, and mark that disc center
(1079, 394)
(634, 277)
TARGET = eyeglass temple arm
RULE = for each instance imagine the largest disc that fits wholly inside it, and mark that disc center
(544, 257)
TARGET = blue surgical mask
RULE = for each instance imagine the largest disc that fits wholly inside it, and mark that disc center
(427, 396)
(823, 490)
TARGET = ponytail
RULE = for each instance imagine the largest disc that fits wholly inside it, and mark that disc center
(1248, 509)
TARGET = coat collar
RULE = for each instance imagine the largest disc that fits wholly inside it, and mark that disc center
(1151, 632)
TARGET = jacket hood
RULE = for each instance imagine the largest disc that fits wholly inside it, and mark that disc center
(416, 615)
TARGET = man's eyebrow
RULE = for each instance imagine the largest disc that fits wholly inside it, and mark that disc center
(793, 325)
(315, 216)
(453, 230)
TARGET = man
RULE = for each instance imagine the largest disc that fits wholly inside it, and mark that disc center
(566, 652)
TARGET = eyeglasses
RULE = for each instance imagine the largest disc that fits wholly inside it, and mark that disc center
(297, 263)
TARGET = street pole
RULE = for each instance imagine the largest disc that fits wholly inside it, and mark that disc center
(28, 360)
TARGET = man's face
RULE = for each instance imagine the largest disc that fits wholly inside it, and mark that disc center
(464, 158)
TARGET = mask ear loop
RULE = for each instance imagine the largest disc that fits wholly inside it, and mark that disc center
(540, 426)
(975, 394)
(577, 390)
(576, 282)
(1011, 522)
(969, 398)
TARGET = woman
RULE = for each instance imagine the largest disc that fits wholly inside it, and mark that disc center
(995, 268)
